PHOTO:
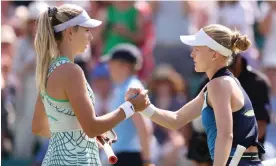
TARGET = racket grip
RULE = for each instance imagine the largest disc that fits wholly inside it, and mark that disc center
(237, 155)
(134, 96)
(112, 159)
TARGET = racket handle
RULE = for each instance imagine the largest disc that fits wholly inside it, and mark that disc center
(112, 159)
(237, 155)
(134, 96)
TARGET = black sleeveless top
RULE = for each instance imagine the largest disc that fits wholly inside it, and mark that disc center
(245, 127)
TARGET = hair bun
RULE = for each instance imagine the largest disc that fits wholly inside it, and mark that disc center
(52, 11)
(240, 42)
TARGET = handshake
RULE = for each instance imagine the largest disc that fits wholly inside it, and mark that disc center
(138, 98)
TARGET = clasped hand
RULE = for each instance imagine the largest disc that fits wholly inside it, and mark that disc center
(138, 98)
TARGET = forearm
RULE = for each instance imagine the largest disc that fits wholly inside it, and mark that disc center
(164, 118)
(135, 37)
(262, 124)
(175, 120)
(265, 24)
(107, 121)
(222, 149)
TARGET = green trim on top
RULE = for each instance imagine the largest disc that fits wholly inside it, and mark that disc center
(60, 58)
(58, 100)
(45, 93)
(52, 117)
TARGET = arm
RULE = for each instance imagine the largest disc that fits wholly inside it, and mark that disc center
(40, 120)
(78, 96)
(265, 23)
(80, 101)
(145, 135)
(175, 120)
(262, 124)
(219, 93)
(154, 6)
(262, 106)
(137, 36)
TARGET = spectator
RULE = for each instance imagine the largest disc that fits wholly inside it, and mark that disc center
(134, 146)
(24, 69)
(241, 16)
(268, 29)
(122, 23)
(171, 19)
(8, 39)
(148, 42)
(166, 88)
(101, 84)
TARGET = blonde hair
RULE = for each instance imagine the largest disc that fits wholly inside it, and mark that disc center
(46, 40)
(231, 39)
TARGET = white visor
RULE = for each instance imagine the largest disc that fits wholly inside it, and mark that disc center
(202, 39)
(82, 20)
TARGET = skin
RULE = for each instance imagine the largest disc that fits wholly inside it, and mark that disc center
(224, 96)
(61, 87)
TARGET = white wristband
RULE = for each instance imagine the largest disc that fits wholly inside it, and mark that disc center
(149, 111)
(128, 109)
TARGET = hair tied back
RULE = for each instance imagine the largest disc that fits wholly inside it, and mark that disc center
(52, 11)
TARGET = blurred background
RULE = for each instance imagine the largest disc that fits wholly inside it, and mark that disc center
(167, 69)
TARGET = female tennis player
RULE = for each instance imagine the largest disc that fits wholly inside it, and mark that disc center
(227, 113)
(65, 106)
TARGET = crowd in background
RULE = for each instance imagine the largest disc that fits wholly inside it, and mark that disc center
(167, 69)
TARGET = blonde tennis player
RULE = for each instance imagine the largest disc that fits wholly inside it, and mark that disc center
(227, 114)
(65, 105)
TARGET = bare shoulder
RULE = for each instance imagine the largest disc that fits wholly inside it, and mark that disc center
(220, 85)
(70, 71)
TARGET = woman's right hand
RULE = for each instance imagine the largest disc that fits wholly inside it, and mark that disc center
(141, 101)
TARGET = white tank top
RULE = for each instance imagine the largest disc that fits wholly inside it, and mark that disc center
(60, 112)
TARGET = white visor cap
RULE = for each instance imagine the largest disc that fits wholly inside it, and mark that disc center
(202, 39)
(82, 20)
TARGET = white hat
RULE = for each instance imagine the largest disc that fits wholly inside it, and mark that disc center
(7, 34)
(35, 9)
(131, 50)
(82, 20)
(203, 39)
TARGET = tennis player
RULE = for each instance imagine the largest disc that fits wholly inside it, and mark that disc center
(227, 114)
(65, 106)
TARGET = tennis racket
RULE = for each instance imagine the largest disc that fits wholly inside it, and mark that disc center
(104, 139)
(237, 155)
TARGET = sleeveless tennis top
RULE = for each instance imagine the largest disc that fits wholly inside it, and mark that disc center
(245, 129)
(68, 145)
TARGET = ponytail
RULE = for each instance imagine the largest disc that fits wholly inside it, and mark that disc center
(46, 49)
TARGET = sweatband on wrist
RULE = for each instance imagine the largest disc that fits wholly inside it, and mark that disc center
(128, 109)
(149, 111)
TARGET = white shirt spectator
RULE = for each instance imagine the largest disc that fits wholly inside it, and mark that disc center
(269, 54)
(240, 16)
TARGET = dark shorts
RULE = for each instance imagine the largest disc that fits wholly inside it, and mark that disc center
(129, 159)
(198, 148)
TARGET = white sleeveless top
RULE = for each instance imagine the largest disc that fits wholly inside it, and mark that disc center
(68, 145)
